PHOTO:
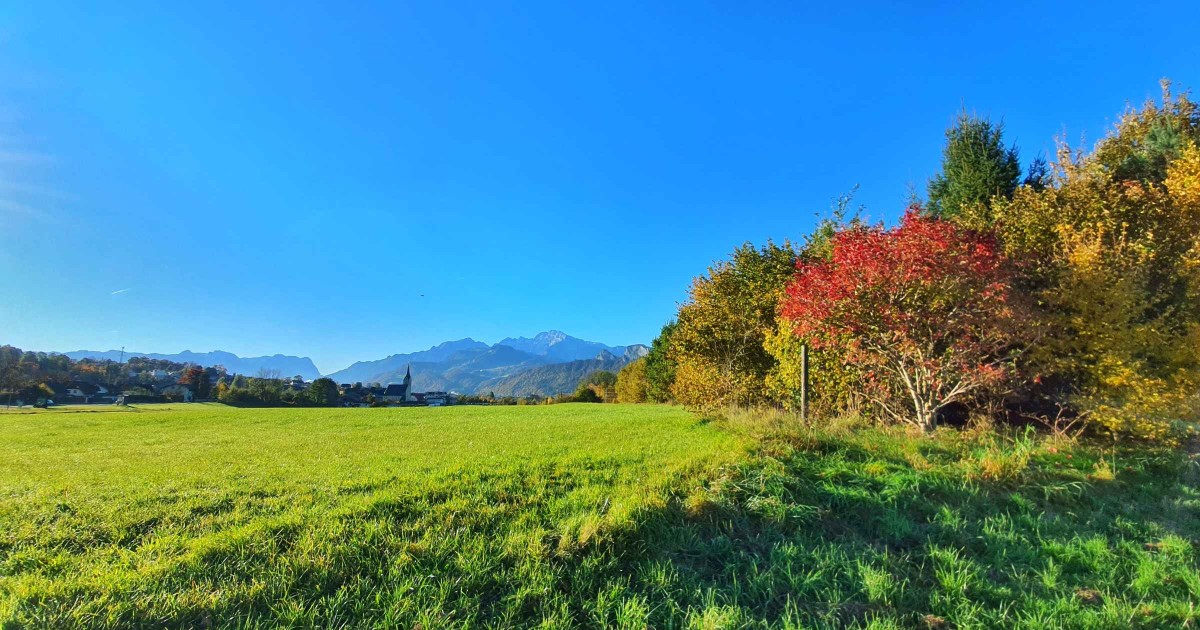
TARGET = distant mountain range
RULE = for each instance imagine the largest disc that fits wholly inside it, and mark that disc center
(560, 347)
(548, 380)
(550, 363)
(382, 370)
(285, 365)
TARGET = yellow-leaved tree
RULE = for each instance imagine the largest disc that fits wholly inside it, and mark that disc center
(632, 385)
(718, 343)
(1111, 251)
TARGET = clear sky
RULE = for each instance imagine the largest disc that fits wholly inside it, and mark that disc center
(351, 180)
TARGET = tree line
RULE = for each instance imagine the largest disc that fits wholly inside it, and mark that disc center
(32, 376)
(1065, 294)
(268, 390)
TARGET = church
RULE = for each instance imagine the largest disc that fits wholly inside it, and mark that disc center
(400, 392)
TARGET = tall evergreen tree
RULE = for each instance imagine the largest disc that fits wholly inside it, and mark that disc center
(1038, 177)
(660, 368)
(976, 167)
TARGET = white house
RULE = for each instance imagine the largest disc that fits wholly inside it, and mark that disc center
(177, 390)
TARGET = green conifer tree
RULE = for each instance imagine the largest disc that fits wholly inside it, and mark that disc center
(976, 167)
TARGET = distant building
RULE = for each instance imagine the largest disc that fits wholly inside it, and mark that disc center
(399, 392)
(439, 399)
(80, 392)
(182, 391)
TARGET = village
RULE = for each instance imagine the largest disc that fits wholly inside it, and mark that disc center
(90, 382)
(393, 394)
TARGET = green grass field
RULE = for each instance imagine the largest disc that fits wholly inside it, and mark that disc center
(203, 514)
(578, 516)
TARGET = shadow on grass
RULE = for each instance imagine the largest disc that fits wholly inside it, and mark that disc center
(808, 532)
(835, 533)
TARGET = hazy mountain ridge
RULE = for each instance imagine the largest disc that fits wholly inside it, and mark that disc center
(469, 366)
(286, 365)
(381, 370)
(467, 370)
(549, 363)
(549, 380)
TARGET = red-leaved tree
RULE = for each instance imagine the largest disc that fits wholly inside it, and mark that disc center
(925, 310)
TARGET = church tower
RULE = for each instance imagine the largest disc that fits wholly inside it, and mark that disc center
(408, 393)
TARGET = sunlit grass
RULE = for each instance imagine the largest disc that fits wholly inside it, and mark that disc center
(194, 514)
(581, 516)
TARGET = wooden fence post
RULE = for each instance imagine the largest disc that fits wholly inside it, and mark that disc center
(804, 382)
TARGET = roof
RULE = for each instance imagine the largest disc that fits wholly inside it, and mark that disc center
(87, 388)
(396, 389)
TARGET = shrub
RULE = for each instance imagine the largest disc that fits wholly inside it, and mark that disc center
(587, 395)
(599, 386)
(632, 386)
(925, 309)
(832, 377)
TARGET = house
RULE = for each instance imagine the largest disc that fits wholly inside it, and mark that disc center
(399, 392)
(439, 399)
(80, 390)
(77, 392)
(374, 392)
(177, 391)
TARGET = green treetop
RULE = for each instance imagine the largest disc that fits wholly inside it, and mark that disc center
(976, 167)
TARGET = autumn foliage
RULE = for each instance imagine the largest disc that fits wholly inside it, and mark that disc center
(718, 345)
(925, 309)
(1071, 298)
(1115, 243)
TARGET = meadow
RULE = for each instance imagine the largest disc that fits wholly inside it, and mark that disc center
(580, 515)
(206, 514)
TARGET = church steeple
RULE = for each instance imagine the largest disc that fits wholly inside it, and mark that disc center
(408, 394)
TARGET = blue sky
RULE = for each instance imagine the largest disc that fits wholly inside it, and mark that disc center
(351, 182)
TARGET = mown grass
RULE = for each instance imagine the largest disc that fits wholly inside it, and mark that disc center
(208, 515)
(580, 516)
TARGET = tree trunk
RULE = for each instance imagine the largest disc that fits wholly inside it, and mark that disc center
(926, 418)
